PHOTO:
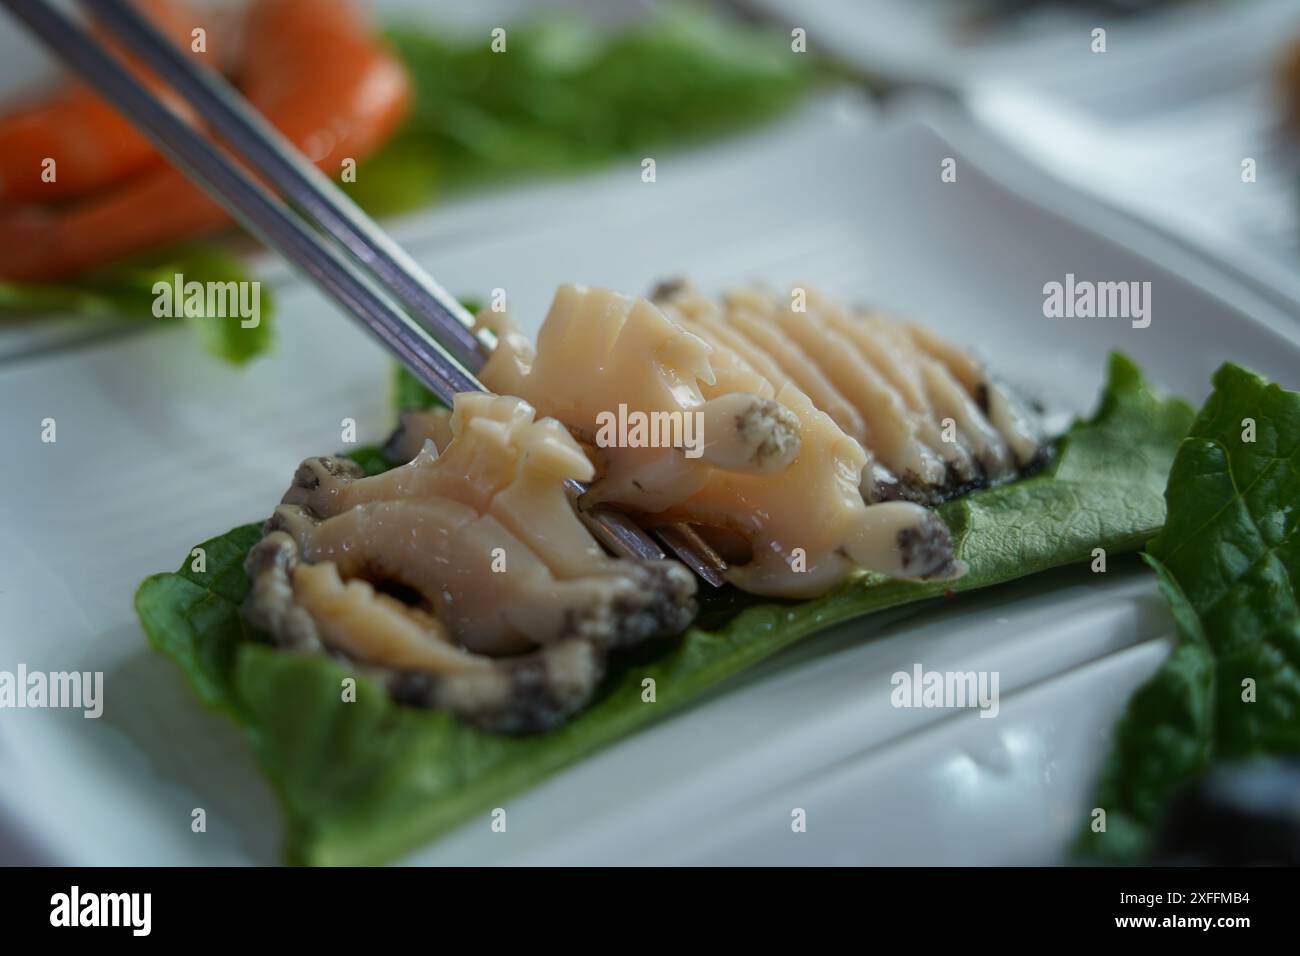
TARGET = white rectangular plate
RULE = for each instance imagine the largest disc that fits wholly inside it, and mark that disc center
(159, 448)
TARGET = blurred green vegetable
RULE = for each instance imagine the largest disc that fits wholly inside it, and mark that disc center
(566, 96)
(126, 290)
(1228, 562)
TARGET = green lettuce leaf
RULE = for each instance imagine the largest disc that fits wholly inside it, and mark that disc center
(367, 781)
(125, 290)
(1228, 562)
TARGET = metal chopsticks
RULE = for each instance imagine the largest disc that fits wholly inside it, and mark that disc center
(439, 347)
(275, 159)
(263, 213)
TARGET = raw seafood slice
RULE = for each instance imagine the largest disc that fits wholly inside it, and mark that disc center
(462, 579)
(927, 413)
(795, 527)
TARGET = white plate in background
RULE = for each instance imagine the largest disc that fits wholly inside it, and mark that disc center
(159, 448)
(924, 41)
(1158, 125)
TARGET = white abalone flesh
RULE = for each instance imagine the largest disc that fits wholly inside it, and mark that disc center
(881, 419)
(803, 439)
(464, 578)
